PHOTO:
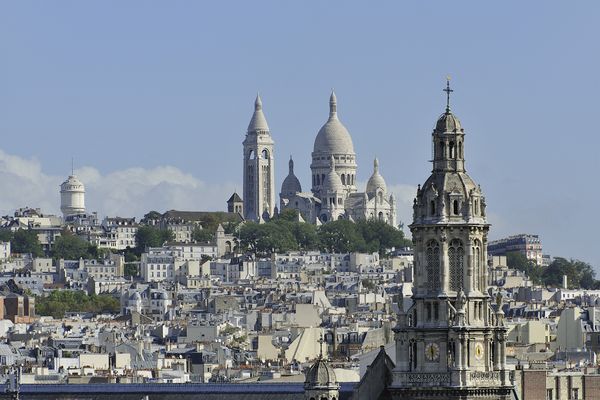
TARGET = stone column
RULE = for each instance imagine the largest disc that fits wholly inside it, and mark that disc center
(468, 279)
(444, 263)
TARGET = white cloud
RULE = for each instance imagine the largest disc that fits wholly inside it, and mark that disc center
(128, 192)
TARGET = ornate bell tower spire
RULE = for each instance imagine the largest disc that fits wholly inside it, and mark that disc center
(448, 343)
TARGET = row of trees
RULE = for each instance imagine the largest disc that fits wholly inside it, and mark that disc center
(67, 246)
(58, 302)
(286, 233)
(579, 274)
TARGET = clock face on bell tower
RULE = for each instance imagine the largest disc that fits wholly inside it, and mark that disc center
(432, 352)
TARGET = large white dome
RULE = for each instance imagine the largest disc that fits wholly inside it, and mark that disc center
(333, 137)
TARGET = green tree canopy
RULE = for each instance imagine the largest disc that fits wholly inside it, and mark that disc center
(26, 241)
(58, 302)
(517, 260)
(6, 235)
(151, 216)
(265, 239)
(341, 236)
(579, 274)
(71, 247)
(380, 236)
(150, 236)
(202, 235)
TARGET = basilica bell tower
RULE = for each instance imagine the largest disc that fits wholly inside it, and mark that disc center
(450, 343)
(259, 170)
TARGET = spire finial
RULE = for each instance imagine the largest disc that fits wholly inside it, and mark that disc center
(258, 102)
(332, 105)
(72, 165)
(291, 165)
(376, 165)
(321, 341)
(448, 91)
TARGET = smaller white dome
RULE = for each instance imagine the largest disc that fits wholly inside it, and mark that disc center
(291, 184)
(333, 182)
(376, 180)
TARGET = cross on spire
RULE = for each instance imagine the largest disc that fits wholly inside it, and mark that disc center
(321, 346)
(448, 91)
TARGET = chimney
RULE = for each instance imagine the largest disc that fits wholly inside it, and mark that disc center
(564, 282)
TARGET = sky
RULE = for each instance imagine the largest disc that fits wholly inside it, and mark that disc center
(152, 100)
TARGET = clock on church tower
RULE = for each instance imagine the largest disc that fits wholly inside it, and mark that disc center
(451, 342)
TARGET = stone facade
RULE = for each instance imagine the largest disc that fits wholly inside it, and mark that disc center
(333, 192)
(259, 169)
(451, 341)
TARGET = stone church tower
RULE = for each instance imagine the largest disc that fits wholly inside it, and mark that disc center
(259, 170)
(451, 342)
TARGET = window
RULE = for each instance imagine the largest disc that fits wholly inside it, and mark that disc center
(433, 265)
(432, 207)
(455, 207)
(456, 258)
(428, 308)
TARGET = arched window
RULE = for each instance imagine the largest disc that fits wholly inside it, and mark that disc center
(343, 179)
(318, 180)
(251, 155)
(322, 178)
(456, 255)
(380, 216)
(433, 265)
(455, 207)
(265, 154)
(432, 207)
(451, 149)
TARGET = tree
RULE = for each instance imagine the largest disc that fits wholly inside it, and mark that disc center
(579, 274)
(518, 261)
(58, 302)
(341, 237)
(26, 241)
(151, 216)
(380, 236)
(289, 214)
(70, 247)
(150, 236)
(131, 269)
(202, 235)
(305, 235)
(6, 235)
(265, 239)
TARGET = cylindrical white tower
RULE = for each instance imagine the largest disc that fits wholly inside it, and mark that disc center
(72, 196)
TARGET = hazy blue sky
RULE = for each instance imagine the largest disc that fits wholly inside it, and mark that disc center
(153, 100)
